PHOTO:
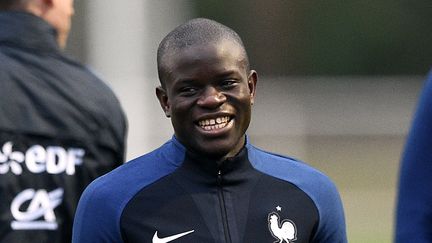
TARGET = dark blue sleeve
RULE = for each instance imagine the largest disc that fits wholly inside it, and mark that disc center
(98, 215)
(414, 204)
(99, 211)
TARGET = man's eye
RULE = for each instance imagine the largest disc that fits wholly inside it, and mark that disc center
(229, 83)
(188, 91)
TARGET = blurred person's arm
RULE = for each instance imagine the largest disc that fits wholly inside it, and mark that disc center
(414, 205)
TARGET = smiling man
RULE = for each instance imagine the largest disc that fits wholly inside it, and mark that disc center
(208, 183)
(207, 90)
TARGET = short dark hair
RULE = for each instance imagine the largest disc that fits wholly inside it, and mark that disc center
(194, 32)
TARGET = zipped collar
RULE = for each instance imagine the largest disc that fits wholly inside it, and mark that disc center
(27, 31)
(233, 170)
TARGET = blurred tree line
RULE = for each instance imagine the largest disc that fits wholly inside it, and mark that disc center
(294, 37)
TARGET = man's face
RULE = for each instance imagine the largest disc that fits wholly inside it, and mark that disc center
(208, 95)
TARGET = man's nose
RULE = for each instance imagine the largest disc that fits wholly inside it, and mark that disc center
(211, 98)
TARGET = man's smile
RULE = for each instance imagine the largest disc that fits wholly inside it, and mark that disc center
(214, 124)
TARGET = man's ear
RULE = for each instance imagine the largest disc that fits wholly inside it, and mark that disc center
(163, 100)
(252, 84)
(46, 4)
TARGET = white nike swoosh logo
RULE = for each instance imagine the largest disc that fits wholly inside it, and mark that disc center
(156, 239)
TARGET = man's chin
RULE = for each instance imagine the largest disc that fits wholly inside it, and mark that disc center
(222, 153)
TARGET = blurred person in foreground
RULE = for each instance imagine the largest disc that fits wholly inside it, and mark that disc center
(414, 202)
(60, 126)
(208, 183)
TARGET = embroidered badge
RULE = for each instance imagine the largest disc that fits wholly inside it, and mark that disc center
(284, 231)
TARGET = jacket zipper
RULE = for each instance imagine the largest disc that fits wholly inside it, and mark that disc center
(223, 207)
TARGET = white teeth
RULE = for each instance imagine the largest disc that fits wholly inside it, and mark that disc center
(212, 124)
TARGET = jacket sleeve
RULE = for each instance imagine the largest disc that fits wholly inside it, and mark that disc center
(331, 226)
(414, 203)
(97, 218)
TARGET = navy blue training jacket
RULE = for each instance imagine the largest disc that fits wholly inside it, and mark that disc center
(60, 128)
(173, 195)
(414, 203)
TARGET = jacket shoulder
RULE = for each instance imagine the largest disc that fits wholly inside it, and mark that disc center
(102, 203)
(286, 168)
(318, 186)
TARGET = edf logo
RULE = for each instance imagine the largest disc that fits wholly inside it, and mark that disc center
(52, 159)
